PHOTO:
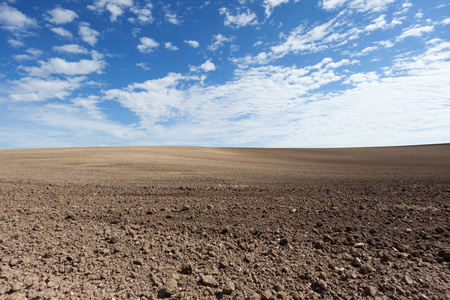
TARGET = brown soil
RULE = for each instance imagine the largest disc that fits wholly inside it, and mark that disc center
(207, 223)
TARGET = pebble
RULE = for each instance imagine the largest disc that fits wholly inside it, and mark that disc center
(370, 291)
(407, 279)
(170, 288)
(229, 288)
(208, 280)
(267, 295)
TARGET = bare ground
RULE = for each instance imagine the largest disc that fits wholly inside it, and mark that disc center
(225, 223)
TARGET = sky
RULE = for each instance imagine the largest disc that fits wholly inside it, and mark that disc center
(243, 73)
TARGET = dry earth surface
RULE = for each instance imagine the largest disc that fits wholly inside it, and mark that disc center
(216, 223)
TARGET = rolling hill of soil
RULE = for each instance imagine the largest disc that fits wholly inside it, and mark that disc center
(225, 223)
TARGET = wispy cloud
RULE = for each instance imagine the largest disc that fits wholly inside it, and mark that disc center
(62, 32)
(71, 48)
(219, 41)
(39, 89)
(359, 5)
(415, 31)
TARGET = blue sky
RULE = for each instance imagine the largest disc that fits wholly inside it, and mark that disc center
(259, 73)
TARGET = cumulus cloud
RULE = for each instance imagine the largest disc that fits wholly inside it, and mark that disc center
(219, 40)
(62, 32)
(58, 65)
(415, 31)
(206, 67)
(88, 34)
(193, 44)
(60, 15)
(240, 19)
(147, 45)
(143, 15)
(114, 7)
(14, 20)
(170, 46)
(172, 18)
(38, 89)
(372, 110)
(380, 23)
(71, 48)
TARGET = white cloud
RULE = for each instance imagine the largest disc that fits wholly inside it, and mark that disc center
(380, 23)
(114, 7)
(144, 15)
(218, 41)
(16, 43)
(193, 44)
(88, 34)
(62, 32)
(286, 107)
(446, 21)
(359, 78)
(240, 19)
(61, 16)
(71, 48)
(172, 18)
(143, 66)
(147, 45)
(313, 40)
(416, 31)
(13, 20)
(359, 5)
(32, 54)
(35, 89)
(269, 5)
(170, 46)
(58, 65)
(206, 67)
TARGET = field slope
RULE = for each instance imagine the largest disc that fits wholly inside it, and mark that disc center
(228, 223)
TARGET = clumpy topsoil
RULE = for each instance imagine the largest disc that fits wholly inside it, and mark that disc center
(215, 223)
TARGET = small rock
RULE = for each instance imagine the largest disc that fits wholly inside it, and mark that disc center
(407, 279)
(248, 258)
(138, 262)
(208, 280)
(170, 288)
(283, 242)
(423, 297)
(370, 291)
(439, 230)
(366, 269)
(319, 245)
(445, 254)
(229, 288)
(356, 263)
(267, 295)
(13, 262)
(185, 207)
(186, 269)
(319, 285)
(210, 206)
